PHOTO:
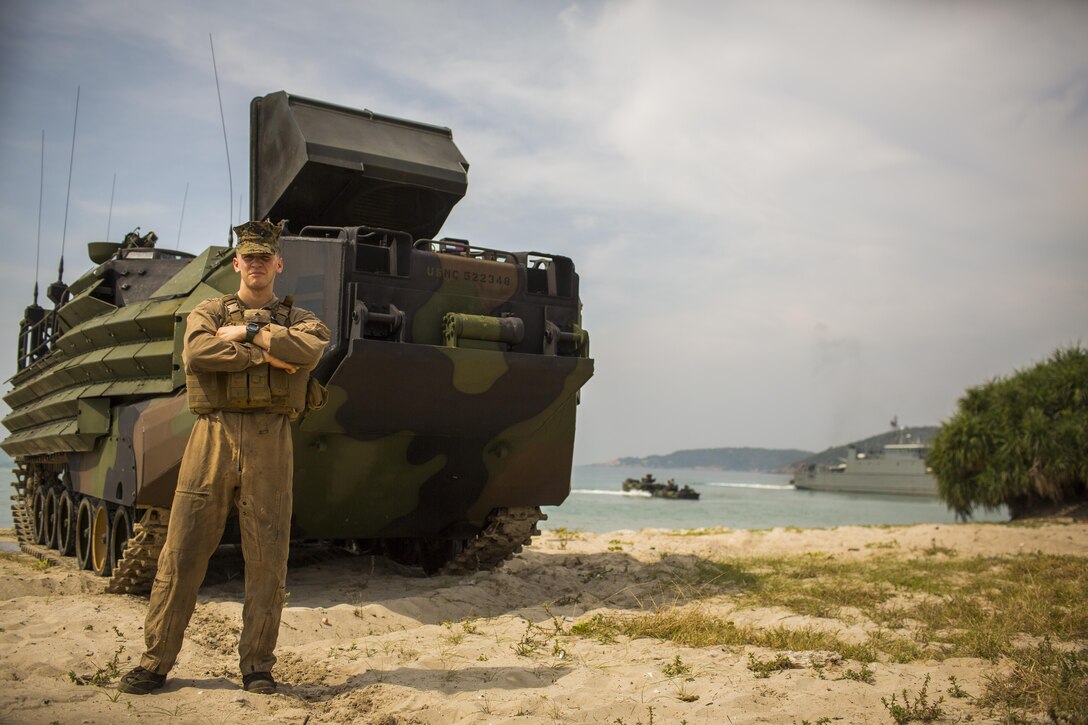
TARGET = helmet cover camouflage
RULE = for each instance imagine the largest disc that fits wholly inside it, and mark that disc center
(259, 237)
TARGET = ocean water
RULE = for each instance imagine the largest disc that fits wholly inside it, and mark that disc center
(729, 499)
(733, 500)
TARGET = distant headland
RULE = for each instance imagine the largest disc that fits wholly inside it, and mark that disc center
(770, 459)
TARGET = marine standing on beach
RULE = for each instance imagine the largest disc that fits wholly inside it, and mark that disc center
(247, 361)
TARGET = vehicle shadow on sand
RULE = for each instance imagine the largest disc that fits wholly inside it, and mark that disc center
(535, 585)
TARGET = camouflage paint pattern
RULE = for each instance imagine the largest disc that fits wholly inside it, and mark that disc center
(418, 439)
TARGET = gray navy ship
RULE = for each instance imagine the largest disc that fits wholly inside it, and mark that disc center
(899, 470)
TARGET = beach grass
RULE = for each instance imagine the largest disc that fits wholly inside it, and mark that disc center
(1024, 612)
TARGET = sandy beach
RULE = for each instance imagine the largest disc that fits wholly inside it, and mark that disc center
(527, 643)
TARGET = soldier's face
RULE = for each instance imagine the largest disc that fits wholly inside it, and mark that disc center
(258, 271)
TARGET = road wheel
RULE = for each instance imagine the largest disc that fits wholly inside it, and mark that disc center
(84, 523)
(37, 514)
(120, 533)
(49, 516)
(66, 521)
(100, 540)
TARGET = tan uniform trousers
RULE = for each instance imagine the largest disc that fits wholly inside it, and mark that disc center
(232, 459)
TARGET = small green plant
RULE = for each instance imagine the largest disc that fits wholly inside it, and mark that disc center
(529, 642)
(954, 688)
(676, 668)
(102, 676)
(919, 709)
(821, 721)
(564, 535)
(599, 627)
(43, 564)
(765, 668)
(865, 674)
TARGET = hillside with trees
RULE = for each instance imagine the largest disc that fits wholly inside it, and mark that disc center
(726, 459)
(774, 460)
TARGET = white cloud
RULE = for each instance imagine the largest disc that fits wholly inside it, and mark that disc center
(791, 221)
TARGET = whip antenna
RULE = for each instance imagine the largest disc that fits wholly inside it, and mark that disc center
(183, 200)
(109, 219)
(38, 250)
(67, 199)
(222, 119)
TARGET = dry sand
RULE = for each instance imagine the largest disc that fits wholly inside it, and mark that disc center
(360, 643)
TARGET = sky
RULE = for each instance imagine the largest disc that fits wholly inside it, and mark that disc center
(791, 220)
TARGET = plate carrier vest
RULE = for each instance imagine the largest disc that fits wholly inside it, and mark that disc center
(260, 387)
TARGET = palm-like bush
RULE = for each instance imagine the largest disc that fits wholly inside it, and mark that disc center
(1020, 441)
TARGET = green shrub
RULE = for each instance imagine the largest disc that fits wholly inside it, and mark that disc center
(1020, 441)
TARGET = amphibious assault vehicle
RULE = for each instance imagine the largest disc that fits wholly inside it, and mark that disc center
(656, 489)
(453, 372)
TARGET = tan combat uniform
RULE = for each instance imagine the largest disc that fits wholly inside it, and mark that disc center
(240, 458)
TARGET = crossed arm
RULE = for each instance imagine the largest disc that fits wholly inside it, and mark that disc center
(263, 340)
(210, 347)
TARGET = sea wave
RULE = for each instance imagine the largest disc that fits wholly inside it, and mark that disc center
(609, 492)
(766, 486)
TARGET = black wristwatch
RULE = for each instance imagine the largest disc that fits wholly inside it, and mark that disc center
(252, 329)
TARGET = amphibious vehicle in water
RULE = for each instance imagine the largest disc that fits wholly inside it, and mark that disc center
(453, 373)
(648, 484)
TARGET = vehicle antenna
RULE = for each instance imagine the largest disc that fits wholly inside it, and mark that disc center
(67, 199)
(109, 219)
(222, 119)
(38, 250)
(180, 221)
(31, 329)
